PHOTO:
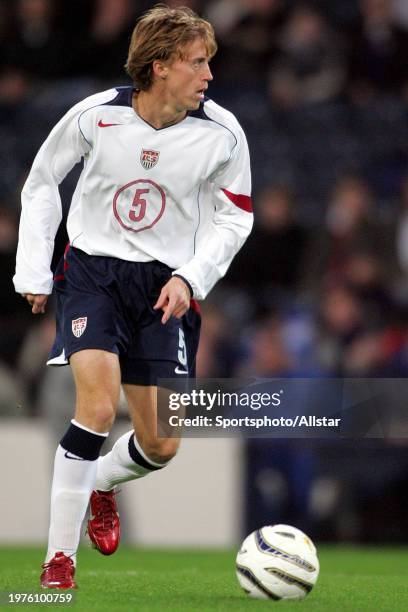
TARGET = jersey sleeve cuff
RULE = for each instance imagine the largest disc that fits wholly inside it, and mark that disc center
(25, 287)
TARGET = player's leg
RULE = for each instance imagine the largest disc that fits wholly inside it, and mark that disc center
(97, 380)
(131, 457)
(142, 402)
(139, 451)
(156, 352)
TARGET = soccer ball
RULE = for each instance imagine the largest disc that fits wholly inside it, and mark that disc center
(277, 562)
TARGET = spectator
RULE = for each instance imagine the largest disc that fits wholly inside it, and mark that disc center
(350, 225)
(341, 321)
(308, 67)
(105, 48)
(218, 350)
(364, 273)
(268, 355)
(270, 263)
(378, 50)
(247, 40)
(38, 46)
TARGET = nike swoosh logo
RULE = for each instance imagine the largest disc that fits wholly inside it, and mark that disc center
(178, 371)
(69, 456)
(102, 124)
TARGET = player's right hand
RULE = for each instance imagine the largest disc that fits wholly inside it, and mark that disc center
(36, 301)
(174, 299)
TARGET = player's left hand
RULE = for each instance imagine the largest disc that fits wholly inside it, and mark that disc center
(174, 299)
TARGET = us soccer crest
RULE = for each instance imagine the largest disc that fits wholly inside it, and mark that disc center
(149, 158)
(79, 326)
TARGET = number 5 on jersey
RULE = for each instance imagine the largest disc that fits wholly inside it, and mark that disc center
(138, 201)
(139, 205)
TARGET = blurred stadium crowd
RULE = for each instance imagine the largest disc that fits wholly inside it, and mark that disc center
(321, 89)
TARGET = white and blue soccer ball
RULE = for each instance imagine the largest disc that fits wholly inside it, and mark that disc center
(277, 562)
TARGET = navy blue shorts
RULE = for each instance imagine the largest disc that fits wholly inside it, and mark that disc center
(107, 303)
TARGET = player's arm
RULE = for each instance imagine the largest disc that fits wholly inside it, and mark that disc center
(231, 223)
(42, 211)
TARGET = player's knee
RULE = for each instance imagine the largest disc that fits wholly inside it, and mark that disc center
(105, 414)
(106, 419)
(161, 451)
(100, 416)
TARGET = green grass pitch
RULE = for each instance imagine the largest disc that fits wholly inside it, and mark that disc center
(351, 579)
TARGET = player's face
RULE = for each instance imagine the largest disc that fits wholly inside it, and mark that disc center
(187, 78)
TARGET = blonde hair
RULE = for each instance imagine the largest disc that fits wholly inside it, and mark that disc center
(162, 34)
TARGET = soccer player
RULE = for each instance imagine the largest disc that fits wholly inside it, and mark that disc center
(160, 209)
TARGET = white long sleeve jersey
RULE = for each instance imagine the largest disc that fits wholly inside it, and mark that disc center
(179, 195)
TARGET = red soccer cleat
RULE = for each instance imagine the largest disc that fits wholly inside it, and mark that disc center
(104, 524)
(58, 573)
